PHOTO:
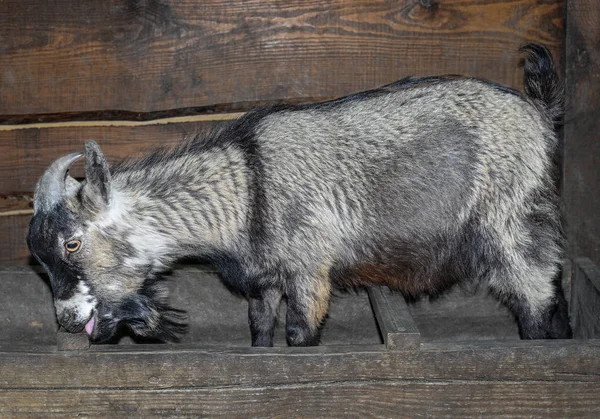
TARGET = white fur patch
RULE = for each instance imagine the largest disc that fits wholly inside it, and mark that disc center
(79, 305)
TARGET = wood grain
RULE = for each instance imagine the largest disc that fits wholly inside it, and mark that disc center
(66, 341)
(155, 55)
(581, 182)
(13, 245)
(396, 398)
(397, 326)
(166, 366)
(585, 303)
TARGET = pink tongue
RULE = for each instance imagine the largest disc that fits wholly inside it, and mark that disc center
(89, 327)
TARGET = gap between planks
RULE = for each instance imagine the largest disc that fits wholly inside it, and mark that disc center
(124, 123)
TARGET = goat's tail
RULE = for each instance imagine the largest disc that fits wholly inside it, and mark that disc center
(541, 81)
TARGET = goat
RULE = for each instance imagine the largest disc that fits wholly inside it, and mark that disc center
(417, 185)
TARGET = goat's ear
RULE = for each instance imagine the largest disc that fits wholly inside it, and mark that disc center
(97, 176)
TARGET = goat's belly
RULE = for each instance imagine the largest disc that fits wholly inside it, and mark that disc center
(412, 267)
(409, 280)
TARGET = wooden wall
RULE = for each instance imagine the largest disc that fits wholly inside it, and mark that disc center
(581, 179)
(133, 74)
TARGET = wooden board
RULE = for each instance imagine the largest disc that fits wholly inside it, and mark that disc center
(167, 54)
(390, 399)
(581, 183)
(13, 246)
(585, 300)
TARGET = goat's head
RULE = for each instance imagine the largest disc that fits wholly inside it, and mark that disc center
(97, 279)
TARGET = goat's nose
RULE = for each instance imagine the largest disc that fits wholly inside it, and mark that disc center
(70, 322)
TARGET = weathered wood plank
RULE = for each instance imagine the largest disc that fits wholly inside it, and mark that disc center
(156, 55)
(144, 366)
(581, 178)
(461, 313)
(585, 300)
(66, 341)
(397, 326)
(13, 246)
(397, 399)
(218, 354)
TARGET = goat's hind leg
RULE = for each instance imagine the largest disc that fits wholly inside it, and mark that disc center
(307, 305)
(536, 298)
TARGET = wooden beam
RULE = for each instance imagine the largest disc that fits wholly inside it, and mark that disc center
(142, 366)
(581, 173)
(395, 322)
(391, 399)
(66, 341)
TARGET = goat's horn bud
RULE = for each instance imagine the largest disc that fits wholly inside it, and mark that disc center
(51, 188)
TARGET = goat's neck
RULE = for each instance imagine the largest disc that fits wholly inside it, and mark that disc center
(185, 206)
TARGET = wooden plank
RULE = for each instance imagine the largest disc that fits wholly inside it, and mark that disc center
(13, 246)
(392, 399)
(224, 360)
(170, 54)
(581, 179)
(167, 366)
(585, 303)
(395, 322)
(463, 315)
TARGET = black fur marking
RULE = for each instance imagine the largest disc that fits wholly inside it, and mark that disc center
(41, 239)
(541, 81)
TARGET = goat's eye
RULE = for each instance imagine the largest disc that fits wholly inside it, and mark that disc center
(72, 246)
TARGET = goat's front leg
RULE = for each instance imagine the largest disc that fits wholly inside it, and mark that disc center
(262, 314)
(307, 306)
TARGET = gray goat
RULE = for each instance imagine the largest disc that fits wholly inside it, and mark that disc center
(416, 185)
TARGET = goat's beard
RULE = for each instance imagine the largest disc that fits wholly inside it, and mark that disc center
(153, 319)
(147, 314)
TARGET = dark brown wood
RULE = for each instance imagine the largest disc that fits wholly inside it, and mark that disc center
(391, 399)
(15, 212)
(26, 309)
(581, 183)
(145, 56)
(585, 300)
(397, 326)
(119, 115)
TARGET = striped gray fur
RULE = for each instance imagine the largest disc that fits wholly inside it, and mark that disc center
(417, 185)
